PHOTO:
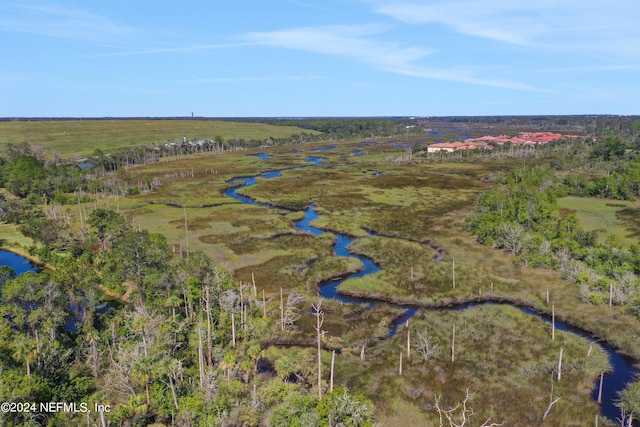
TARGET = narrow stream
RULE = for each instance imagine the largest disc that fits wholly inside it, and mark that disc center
(623, 369)
(615, 381)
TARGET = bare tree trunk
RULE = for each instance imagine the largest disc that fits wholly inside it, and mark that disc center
(233, 329)
(317, 311)
(610, 294)
(94, 353)
(253, 280)
(551, 402)
(453, 272)
(172, 386)
(333, 361)
(453, 344)
(241, 307)
(186, 229)
(408, 343)
(553, 322)
(600, 388)
(560, 365)
(281, 310)
(264, 305)
(200, 357)
(400, 367)
(208, 312)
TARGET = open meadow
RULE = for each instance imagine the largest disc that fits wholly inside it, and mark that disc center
(78, 138)
(619, 218)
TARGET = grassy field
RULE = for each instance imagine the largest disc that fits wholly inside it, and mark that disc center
(10, 236)
(81, 137)
(617, 218)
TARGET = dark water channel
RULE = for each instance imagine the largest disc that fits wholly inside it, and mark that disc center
(623, 369)
(18, 263)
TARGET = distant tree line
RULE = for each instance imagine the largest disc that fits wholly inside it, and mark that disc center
(348, 128)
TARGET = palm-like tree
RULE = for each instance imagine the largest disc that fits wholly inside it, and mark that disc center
(25, 350)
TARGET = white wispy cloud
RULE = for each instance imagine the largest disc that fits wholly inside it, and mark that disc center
(585, 25)
(360, 43)
(462, 75)
(250, 79)
(59, 22)
(180, 49)
(354, 42)
(585, 69)
(309, 5)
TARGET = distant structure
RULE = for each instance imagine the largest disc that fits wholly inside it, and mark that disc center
(450, 147)
(488, 142)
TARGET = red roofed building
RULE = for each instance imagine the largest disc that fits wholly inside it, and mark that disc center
(484, 142)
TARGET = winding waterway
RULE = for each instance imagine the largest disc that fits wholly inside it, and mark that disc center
(623, 369)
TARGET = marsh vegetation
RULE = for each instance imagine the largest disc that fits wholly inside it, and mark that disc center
(217, 278)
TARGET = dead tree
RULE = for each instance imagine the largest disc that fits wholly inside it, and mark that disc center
(459, 415)
(560, 365)
(317, 311)
(552, 402)
(453, 345)
(425, 345)
(281, 310)
(291, 312)
(333, 362)
(553, 322)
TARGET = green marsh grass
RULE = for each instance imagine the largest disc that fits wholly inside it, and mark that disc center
(407, 204)
(617, 218)
(82, 137)
(11, 237)
(505, 357)
(422, 200)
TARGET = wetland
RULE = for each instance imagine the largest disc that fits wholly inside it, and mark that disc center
(377, 227)
(417, 311)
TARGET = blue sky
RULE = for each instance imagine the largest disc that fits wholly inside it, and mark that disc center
(318, 57)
